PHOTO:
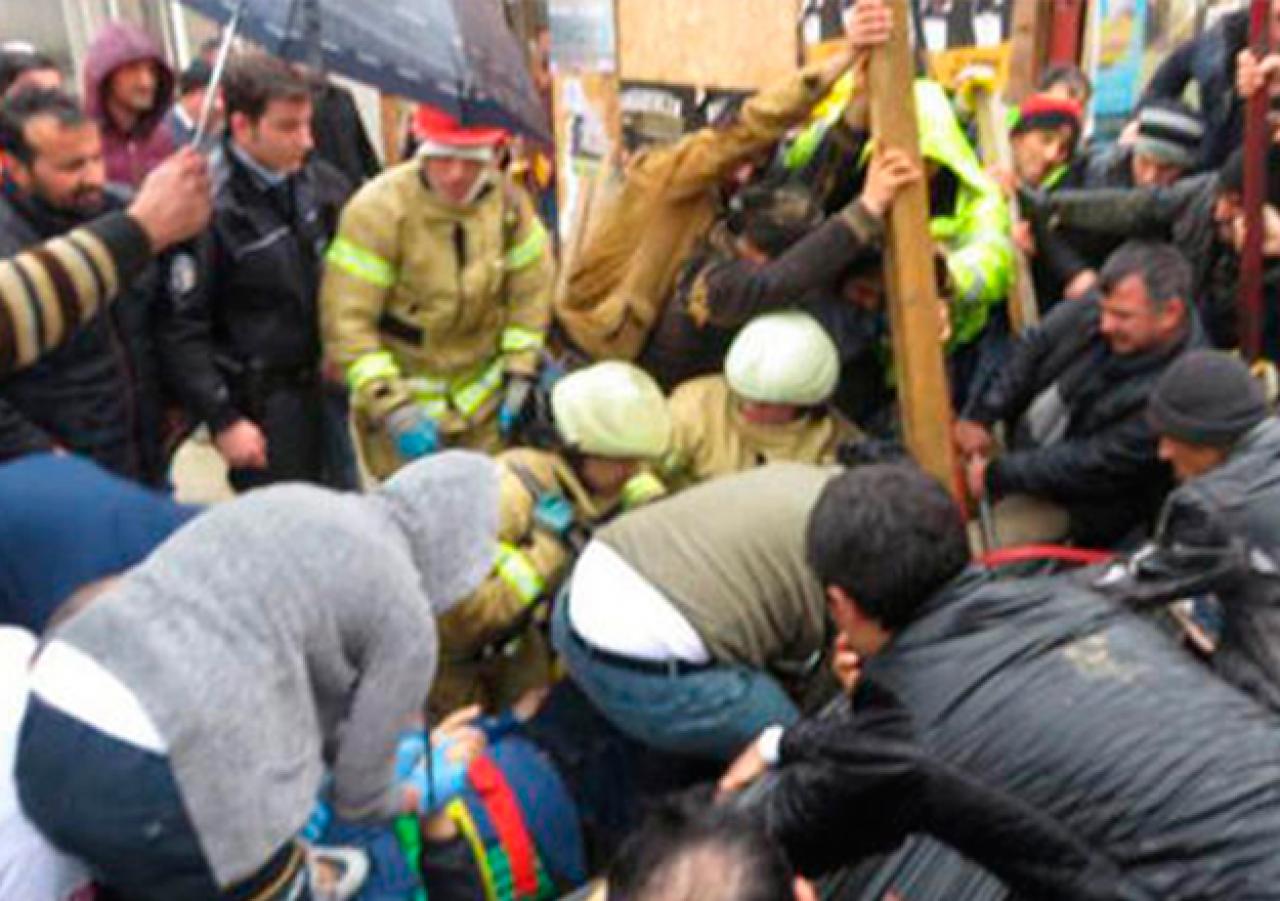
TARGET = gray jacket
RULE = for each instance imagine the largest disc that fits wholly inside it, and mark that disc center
(291, 630)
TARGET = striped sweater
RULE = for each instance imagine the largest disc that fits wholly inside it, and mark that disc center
(50, 290)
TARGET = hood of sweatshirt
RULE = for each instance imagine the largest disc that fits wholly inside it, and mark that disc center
(447, 507)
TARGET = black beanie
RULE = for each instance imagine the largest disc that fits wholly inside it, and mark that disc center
(1206, 397)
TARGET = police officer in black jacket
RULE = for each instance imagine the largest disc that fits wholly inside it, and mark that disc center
(246, 359)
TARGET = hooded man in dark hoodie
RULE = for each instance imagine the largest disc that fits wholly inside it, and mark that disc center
(128, 89)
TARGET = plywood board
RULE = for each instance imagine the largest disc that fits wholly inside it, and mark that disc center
(730, 44)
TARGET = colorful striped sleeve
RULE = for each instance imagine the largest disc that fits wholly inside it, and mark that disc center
(50, 290)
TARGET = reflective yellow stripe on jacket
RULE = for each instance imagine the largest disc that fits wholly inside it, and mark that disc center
(466, 395)
(640, 489)
(360, 263)
(372, 367)
(518, 573)
(518, 340)
(528, 251)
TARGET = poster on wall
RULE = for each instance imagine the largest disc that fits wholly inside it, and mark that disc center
(950, 24)
(694, 107)
(583, 35)
(1118, 60)
(586, 138)
(947, 24)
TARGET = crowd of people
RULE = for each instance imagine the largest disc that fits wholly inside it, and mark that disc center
(601, 567)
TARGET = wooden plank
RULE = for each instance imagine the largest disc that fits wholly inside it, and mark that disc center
(392, 129)
(1032, 21)
(728, 44)
(993, 140)
(923, 395)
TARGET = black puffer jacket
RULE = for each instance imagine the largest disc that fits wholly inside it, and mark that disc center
(1055, 738)
(242, 302)
(98, 394)
(1104, 470)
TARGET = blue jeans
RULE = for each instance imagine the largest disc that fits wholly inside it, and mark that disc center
(713, 712)
(118, 808)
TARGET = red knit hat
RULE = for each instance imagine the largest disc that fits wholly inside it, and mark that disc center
(1048, 111)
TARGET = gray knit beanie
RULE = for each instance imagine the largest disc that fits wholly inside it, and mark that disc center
(1206, 397)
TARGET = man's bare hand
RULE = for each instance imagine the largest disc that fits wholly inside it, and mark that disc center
(1024, 237)
(973, 439)
(1080, 286)
(975, 472)
(890, 171)
(242, 445)
(175, 201)
(868, 24)
(1253, 73)
(846, 665)
(744, 771)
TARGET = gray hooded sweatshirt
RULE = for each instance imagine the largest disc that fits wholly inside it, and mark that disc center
(291, 629)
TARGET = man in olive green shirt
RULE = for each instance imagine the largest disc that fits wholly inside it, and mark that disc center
(678, 615)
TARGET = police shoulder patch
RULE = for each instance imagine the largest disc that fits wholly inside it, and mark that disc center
(182, 274)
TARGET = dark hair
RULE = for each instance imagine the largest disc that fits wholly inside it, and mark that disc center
(254, 80)
(691, 849)
(1067, 74)
(194, 77)
(1164, 271)
(14, 61)
(18, 110)
(1231, 175)
(773, 217)
(890, 536)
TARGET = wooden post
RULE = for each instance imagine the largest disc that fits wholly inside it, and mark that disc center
(392, 137)
(1032, 22)
(993, 141)
(923, 395)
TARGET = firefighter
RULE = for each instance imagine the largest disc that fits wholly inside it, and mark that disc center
(609, 421)
(771, 404)
(436, 299)
(619, 282)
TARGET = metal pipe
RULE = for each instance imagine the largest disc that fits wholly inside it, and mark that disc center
(219, 69)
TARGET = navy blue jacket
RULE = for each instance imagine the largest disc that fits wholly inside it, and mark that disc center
(65, 522)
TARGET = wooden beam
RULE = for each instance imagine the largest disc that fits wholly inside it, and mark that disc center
(392, 135)
(924, 398)
(1032, 24)
(993, 141)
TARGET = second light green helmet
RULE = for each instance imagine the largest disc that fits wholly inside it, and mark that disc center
(612, 409)
(783, 358)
